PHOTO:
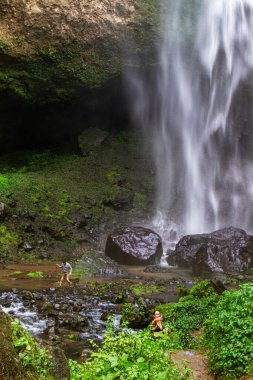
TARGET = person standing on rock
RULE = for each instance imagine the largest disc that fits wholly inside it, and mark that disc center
(66, 272)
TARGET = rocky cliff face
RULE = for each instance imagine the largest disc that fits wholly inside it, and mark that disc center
(50, 48)
(60, 65)
(25, 25)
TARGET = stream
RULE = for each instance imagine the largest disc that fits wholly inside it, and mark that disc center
(56, 325)
(74, 317)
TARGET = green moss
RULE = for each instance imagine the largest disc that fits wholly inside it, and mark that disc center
(146, 33)
(3, 181)
(72, 337)
(35, 274)
(57, 74)
(8, 238)
(58, 191)
(141, 289)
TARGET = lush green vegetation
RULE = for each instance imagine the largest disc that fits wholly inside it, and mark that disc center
(110, 185)
(225, 331)
(190, 313)
(229, 334)
(33, 357)
(129, 356)
(8, 239)
(134, 314)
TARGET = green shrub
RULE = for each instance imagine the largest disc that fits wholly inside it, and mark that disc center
(134, 314)
(32, 356)
(127, 356)
(228, 334)
(191, 311)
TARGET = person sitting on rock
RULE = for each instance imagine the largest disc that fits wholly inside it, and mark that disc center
(157, 325)
(66, 272)
(157, 322)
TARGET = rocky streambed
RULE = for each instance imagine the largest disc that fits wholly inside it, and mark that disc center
(72, 318)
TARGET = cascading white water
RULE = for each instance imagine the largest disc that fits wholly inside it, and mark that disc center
(196, 108)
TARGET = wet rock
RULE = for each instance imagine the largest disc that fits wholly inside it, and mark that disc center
(75, 322)
(47, 308)
(28, 246)
(105, 315)
(29, 228)
(77, 308)
(60, 364)
(27, 295)
(157, 269)
(111, 272)
(53, 232)
(2, 211)
(135, 315)
(226, 250)
(12, 203)
(6, 303)
(86, 353)
(90, 139)
(81, 220)
(122, 201)
(121, 181)
(134, 246)
(51, 330)
(218, 286)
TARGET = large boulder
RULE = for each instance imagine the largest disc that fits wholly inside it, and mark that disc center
(226, 250)
(134, 246)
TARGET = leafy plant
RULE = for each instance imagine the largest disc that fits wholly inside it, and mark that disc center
(134, 315)
(128, 356)
(191, 311)
(33, 356)
(228, 334)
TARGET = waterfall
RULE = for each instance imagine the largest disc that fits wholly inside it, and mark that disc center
(196, 106)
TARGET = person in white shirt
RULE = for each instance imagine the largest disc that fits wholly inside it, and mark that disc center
(66, 272)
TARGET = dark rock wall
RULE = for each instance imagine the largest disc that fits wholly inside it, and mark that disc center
(57, 126)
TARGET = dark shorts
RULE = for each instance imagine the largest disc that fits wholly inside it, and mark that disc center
(157, 329)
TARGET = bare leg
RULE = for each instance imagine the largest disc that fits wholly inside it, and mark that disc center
(61, 279)
(67, 278)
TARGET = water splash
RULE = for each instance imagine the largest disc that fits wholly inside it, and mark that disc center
(29, 317)
(196, 107)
